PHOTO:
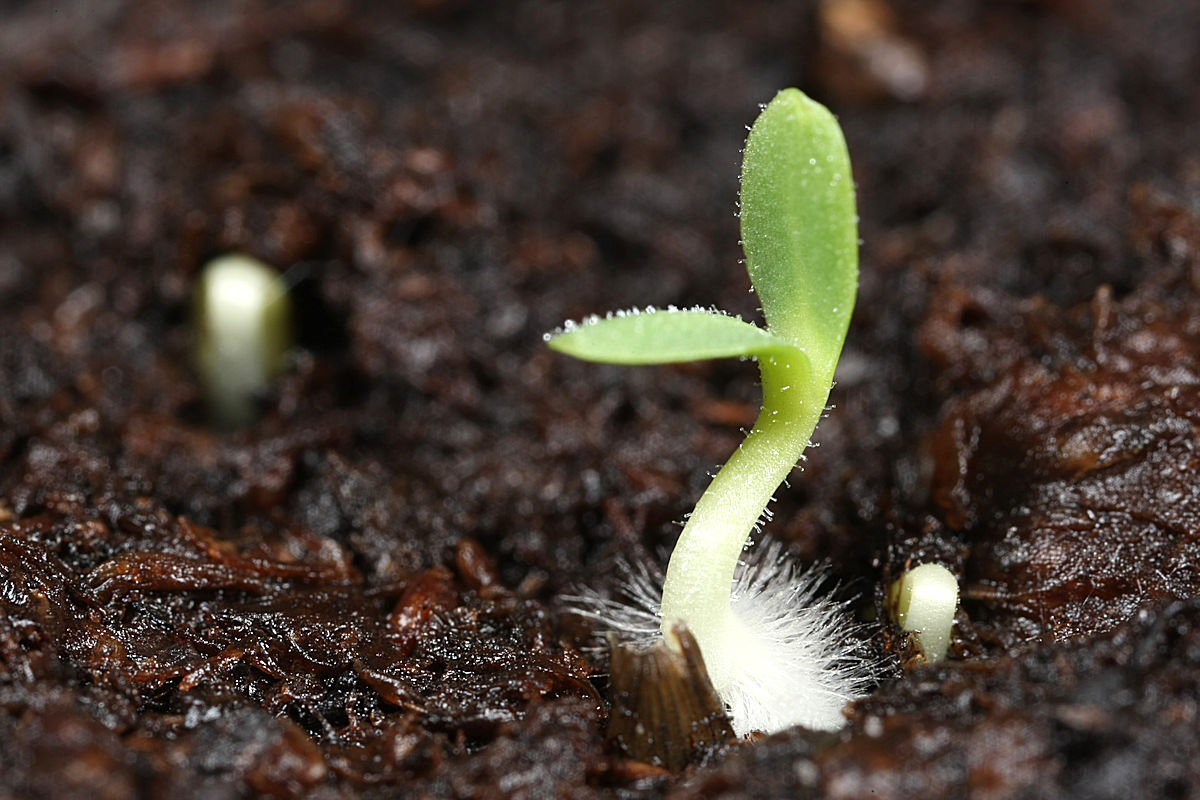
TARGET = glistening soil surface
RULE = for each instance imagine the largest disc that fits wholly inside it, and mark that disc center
(360, 594)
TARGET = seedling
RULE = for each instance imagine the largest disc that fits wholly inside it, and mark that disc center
(775, 654)
(243, 323)
(923, 602)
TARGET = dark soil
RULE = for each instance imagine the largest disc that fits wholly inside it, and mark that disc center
(359, 595)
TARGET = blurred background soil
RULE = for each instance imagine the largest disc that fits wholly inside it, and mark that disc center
(359, 595)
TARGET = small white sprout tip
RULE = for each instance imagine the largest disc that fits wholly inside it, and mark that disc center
(924, 601)
(787, 656)
(243, 327)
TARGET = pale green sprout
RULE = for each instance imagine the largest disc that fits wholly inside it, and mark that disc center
(800, 236)
(243, 324)
(924, 601)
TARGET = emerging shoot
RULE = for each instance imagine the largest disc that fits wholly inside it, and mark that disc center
(243, 323)
(924, 601)
(776, 655)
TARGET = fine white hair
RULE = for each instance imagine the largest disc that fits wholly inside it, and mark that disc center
(792, 655)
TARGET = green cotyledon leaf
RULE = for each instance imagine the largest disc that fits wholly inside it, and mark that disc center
(799, 225)
(667, 336)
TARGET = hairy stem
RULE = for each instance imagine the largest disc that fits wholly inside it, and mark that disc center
(699, 577)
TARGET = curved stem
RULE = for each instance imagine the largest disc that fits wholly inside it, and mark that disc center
(699, 578)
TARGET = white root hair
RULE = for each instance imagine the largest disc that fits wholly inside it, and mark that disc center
(795, 655)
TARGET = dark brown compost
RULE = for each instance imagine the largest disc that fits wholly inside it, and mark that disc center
(359, 595)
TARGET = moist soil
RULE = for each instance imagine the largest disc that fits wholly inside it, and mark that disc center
(361, 594)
